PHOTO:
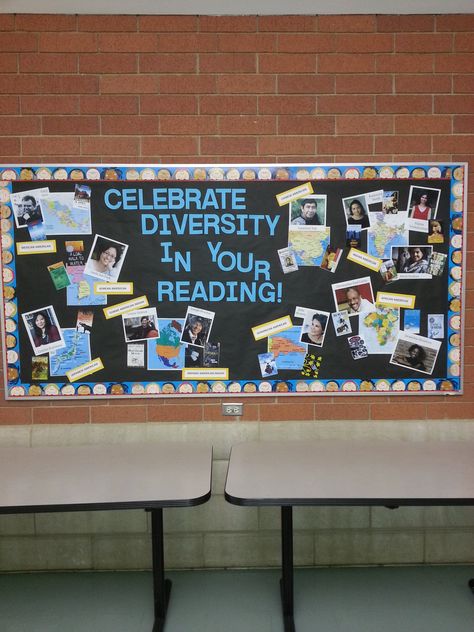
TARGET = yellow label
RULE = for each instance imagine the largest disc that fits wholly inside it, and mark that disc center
(205, 374)
(127, 306)
(113, 288)
(294, 194)
(271, 328)
(36, 247)
(364, 259)
(396, 300)
(85, 369)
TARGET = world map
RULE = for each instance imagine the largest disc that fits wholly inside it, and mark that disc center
(76, 352)
(166, 353)
(310, 245)
(386, 231)
(61, 218)
(288, 351)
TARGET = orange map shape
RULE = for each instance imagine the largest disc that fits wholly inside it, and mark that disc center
(166, 351)
(283, 345)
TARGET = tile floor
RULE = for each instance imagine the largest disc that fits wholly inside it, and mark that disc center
(401, 599)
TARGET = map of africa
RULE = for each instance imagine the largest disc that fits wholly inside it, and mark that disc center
(309, 243)
(76, 352)
(166, 353)
(379, 329)
(386, 231)
(61, 218)
(288, 351)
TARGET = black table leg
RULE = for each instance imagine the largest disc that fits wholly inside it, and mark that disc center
(286, 581)
(161, 586)
(471, 584)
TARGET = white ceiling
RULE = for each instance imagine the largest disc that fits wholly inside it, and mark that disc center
(237, 7)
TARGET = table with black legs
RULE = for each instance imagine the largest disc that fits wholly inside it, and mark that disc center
(385, 473)
(108, 477)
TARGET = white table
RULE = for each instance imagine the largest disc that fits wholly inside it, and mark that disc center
(346, 473)
(93, 478)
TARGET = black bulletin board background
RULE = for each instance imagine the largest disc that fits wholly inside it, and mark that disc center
(308, 287)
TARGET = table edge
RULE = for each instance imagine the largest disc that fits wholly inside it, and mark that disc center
(107, 506)
(346, 502)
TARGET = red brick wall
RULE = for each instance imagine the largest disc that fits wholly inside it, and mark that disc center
(240, 89)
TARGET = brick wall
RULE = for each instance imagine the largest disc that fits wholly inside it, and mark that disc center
(240, 89)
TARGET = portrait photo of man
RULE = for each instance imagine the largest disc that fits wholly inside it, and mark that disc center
(26, 207)
(309, 211)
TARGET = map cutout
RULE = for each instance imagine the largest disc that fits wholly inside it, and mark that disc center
(61, 218)
(166, 353)
(81, 290)
(76, 352)
(288, 351)
(379, 329)
(309, 244)
(386, 231)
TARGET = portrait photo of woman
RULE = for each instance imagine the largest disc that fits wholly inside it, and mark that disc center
(415, 357)
(421, 210)
(43, 330)
(356, 213)
(106, 258)
(415, 352)
(423, 203)
(413, 260)
(314, 329)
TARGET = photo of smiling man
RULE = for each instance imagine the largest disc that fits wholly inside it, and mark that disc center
(355, 296)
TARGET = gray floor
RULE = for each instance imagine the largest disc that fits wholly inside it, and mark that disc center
(414, 599)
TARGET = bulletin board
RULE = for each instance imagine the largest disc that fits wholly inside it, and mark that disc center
(217, 280)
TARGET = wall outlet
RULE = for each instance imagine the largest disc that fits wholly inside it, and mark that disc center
(232, 409)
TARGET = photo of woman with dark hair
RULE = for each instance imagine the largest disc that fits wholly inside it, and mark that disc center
(415, 352)
(316, 330)
(357, 214)
(423, 203)
(417, 262)
(44, 331)
(415, 357)
(422, 209)
(105, 259)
